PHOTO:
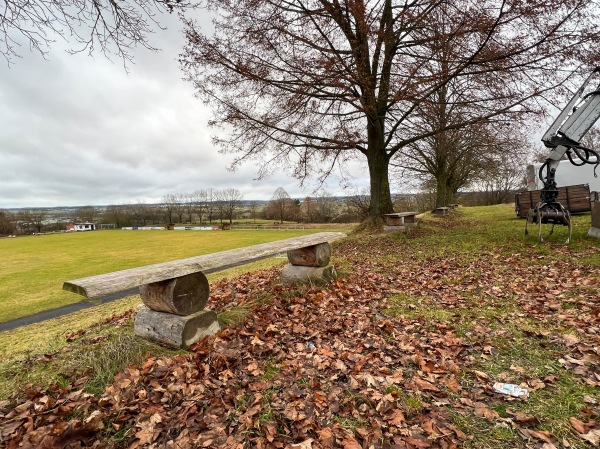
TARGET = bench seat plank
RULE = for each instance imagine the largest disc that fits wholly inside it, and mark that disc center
(95, 287)
(401, 214)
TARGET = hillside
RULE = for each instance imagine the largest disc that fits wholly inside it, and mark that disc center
(402, 351)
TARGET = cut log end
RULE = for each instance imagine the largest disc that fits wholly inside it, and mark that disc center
(311, 256)
(182, 296)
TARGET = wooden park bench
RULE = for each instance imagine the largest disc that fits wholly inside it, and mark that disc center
(575, 199)
(175, 293)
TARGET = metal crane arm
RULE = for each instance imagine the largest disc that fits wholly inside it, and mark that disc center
(563, 137)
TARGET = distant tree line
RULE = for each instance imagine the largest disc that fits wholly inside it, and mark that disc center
(210, 206)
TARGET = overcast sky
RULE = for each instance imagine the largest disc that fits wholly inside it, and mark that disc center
(77, 130)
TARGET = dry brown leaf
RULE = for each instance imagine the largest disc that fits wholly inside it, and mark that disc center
(306, 444)
(578, 425)
(326, 438)
(593, 436)
(349, 442)
(396, 418)
(524, 419)
(486, 412)
(480, 374)
(570, 339)
(453, 384)
(424, 385)
(11, 427)
(538, 435)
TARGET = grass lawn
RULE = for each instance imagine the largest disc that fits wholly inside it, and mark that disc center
(406, 346)
(33, 269)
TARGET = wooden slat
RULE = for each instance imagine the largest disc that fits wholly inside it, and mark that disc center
(95, 287)
(574, 198)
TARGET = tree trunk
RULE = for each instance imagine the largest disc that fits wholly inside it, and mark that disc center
(381, 198)
(444, 194)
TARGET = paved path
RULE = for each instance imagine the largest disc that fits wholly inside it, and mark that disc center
(82, 305)
(55, 313)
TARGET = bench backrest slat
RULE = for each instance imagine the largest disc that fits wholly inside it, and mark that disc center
(95, 287)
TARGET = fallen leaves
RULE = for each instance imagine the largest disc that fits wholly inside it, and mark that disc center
(329, 368)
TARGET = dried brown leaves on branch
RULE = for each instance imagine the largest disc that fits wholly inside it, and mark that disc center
(311, 84)
(398, 354)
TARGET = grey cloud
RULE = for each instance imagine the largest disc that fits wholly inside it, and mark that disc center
(77, 130)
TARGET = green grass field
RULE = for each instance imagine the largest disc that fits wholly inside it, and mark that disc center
(33, 269)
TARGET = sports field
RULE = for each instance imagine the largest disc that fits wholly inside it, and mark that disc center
(33, 268)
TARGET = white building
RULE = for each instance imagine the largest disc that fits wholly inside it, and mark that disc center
(84, 227)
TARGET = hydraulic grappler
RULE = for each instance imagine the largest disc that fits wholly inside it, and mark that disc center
(563, 137)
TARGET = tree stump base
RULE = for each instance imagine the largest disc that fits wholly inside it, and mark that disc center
(292, 274)
(175, 330)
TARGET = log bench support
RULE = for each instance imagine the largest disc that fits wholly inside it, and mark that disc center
(309, 264)
(174, 313)
(175, 293)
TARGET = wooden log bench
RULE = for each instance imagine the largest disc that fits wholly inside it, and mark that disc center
(441, 211)
(399, 220)
(175, 293)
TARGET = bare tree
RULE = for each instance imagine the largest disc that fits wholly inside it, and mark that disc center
(314, 83)
(455, 156)
(37, 217)
(325, 209)
(360, 203)
(308, 210)
(453, 159)
(87, 214)
(230, 200)
(211, 202)
(499, 185)
(170, 204)
(120, 215)
(179, 205)
(189, 206)
(107, 26)
(253, 210)
(281, 204)
(141, 213)
(198, 200)
(7, 222)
